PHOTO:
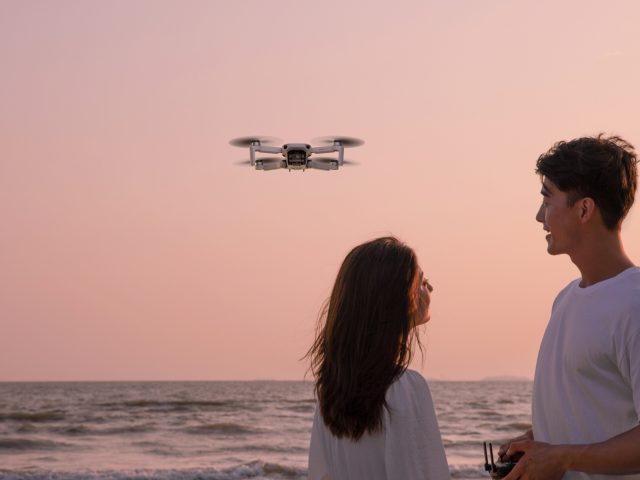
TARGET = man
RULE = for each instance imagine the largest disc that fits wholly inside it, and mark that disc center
(586, 392)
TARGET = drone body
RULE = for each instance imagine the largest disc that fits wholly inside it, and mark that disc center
(296, 156)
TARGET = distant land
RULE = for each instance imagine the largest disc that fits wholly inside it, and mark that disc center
(495, 378)
(506, 378)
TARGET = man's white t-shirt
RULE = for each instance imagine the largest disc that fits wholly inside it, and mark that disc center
(408, 448)
(587, 381)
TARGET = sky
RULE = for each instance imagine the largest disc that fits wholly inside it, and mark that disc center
(133, 246)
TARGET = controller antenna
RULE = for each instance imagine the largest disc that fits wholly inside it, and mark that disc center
(487, 467)
(493, 465)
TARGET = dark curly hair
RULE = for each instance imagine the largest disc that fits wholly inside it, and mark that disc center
(365, 335)
(602, 168)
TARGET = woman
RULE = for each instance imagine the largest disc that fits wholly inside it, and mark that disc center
(375, 419)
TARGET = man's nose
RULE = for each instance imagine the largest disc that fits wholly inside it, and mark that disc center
(540, 215)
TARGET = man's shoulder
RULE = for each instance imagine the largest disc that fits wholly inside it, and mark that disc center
(632, 277)
(625, 292)
(565, 291)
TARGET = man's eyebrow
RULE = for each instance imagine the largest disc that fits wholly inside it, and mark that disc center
(545, 191)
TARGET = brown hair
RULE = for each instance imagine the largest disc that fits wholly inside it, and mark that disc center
(365, 334)
(602, 168)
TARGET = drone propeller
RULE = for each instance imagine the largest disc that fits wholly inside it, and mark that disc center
(332, 159)
(248, 141)
(345, 141)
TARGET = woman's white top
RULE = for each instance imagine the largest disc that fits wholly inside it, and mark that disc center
(409, 447)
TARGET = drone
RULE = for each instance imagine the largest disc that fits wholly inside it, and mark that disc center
(296, 156)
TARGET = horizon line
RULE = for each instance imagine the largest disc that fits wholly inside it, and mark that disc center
(498, 378)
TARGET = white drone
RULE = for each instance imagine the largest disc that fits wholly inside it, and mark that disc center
(296, 156)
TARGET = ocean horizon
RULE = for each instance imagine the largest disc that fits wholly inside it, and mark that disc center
(496, 378)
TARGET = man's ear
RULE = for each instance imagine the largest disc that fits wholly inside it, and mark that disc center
(586, 209)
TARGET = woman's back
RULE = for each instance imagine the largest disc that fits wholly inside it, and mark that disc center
(408, 447)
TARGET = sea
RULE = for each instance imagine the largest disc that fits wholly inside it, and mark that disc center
(215, 430)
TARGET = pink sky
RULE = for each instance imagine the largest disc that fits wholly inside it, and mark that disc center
(132, 247)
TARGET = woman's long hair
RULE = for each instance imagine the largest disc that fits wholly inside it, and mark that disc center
(365, 334)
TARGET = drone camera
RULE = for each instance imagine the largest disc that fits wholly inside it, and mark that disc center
(297, 158)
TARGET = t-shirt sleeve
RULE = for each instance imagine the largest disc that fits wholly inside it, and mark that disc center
(317, 459)
(629, 365)
(413, 445)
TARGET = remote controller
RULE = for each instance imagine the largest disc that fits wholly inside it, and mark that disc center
(500, 469)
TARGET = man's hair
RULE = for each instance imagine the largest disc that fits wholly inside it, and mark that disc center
(602, 168)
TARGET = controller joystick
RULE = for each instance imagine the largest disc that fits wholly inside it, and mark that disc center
(500, 469)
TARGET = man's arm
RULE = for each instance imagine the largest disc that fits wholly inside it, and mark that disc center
(619, 455)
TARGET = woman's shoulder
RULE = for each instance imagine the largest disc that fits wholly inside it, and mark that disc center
(414, 377)
(410, 379)
(410, 391)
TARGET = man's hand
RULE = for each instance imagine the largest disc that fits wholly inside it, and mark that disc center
(528, 435)
(541, 461)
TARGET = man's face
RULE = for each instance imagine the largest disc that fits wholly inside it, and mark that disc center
(561, 220)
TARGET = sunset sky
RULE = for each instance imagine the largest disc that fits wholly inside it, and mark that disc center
(134, 247)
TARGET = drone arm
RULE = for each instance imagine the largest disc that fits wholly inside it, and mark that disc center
(327, 149)
(262, 149)
(267, 149)
(330, 149)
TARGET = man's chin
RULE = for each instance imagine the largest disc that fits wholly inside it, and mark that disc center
(553, 251)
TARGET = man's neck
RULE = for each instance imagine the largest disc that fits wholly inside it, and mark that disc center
(601, 257)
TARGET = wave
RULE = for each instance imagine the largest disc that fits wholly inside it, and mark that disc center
(24, 444)
(520, 426)
(299, 408)
(468, 471)
(221, 429)
(26, 428)
(258, 470)
(464, 444)
(34, 417)
(173, 404)
(74, 430)
(125, 430)
(82, 430)
(270, 448)
(311, 401)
